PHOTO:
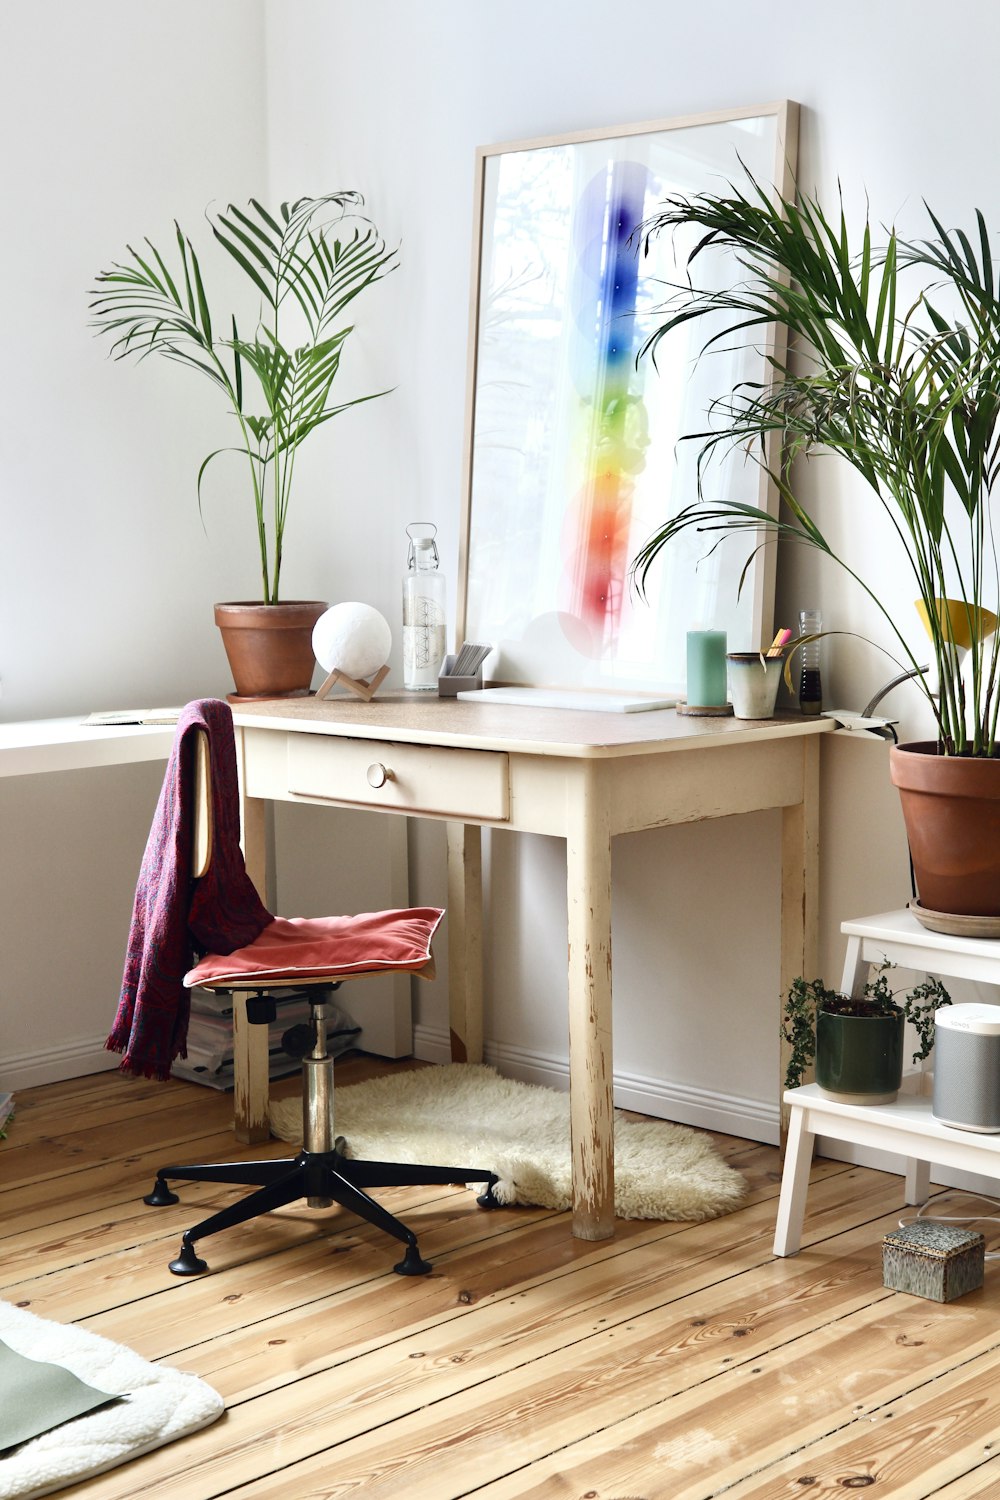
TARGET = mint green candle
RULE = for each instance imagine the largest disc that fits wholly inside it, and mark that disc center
(706, 668)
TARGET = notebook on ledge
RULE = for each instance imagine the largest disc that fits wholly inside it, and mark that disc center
(596, 702)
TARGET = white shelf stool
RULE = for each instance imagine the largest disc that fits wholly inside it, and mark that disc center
(906, 1127)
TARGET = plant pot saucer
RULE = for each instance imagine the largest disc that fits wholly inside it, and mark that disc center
(839, 1097)
(705, 711)
(268, 697)
(954, 924)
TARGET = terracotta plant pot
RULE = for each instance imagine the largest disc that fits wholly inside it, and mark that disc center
(269, 646)
(951, 808)
(859, 1059)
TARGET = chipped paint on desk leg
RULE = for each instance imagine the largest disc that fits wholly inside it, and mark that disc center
(799, 890)
(251, 1076)
(465, 941)
(588, 885)
(251, 1063)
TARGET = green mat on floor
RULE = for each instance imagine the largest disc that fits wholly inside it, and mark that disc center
(36, 1396)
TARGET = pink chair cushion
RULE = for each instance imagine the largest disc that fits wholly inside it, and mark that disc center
(314, 947)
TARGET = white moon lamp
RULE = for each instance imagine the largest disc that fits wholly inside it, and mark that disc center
(352, 642)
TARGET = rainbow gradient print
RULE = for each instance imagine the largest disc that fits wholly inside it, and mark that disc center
(576, 454)
(612, 428)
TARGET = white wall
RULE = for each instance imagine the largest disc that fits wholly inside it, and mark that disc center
(115, 119)
(393, 99)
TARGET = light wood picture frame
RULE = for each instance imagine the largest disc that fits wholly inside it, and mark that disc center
(572, 453)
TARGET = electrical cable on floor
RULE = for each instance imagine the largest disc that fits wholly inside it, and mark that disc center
(935, 1218)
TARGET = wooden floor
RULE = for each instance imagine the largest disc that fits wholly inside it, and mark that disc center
(672, 1363)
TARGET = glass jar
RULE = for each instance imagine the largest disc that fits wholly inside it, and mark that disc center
(811, 682)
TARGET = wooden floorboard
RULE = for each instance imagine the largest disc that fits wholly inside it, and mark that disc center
(675, 1362)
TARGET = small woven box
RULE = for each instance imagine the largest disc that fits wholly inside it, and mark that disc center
(939, 1261)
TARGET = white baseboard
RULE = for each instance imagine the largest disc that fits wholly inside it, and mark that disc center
(74, 1059)
(733, 1115)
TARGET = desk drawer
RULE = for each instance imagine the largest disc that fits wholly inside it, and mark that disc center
(466, 784)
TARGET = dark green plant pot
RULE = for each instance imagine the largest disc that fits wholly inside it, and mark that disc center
(859, 1059)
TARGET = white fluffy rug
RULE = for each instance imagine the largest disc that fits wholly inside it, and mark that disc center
(466, 1115)
(160, 1404)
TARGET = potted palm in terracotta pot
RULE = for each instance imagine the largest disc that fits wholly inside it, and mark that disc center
(903, 383)
(304, 263)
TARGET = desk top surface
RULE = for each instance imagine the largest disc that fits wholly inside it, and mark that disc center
(34, 745)
(418, 718)
(40, 745)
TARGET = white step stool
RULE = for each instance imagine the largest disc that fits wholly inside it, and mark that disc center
(906, 1127)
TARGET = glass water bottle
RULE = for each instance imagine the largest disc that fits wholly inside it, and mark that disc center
(424, 609)
(811, 685)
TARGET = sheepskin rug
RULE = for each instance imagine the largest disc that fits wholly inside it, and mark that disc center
(467, 1115)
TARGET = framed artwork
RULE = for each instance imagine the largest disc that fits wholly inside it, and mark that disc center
(572, 442)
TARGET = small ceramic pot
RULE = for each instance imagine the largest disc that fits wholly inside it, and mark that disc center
(859, 1059)
(753, 683)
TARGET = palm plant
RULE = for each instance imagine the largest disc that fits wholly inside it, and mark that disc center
(307, 262)
(906, 390)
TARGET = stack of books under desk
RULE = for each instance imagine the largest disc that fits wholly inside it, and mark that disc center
(210, 1038)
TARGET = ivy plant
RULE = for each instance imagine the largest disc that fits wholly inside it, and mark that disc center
(806, 998)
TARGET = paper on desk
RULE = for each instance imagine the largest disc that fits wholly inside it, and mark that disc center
(596, 701)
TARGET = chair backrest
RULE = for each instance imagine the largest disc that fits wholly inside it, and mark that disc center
(201, 849)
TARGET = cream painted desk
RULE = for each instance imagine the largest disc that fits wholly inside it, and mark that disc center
(583, 777)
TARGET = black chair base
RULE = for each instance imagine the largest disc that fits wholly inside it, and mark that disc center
(321, 1177)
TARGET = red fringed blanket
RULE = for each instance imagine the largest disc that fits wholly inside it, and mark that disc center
(174, 916)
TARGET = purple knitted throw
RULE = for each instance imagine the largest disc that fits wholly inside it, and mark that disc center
(175, 915)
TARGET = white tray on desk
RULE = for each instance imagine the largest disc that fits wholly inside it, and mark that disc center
(598, 701)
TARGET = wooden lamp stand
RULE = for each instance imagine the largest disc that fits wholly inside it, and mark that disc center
(359, 686)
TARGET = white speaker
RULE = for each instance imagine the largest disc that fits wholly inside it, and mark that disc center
(967, 1067)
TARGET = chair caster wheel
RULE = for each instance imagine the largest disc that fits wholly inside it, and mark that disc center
(412, 1264)
(161, 1195)
(187, 1263)
(487, 1200)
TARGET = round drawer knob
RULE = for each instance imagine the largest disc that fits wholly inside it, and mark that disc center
(378, 774)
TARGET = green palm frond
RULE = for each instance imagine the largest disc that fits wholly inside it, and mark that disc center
(307, 261)
(907, 391)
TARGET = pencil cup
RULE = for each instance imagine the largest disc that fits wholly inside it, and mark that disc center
(753, 683)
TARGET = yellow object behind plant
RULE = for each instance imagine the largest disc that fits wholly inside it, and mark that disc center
(958, 620)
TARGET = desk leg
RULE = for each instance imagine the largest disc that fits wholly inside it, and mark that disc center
(251, 1076)
(800, 887)
(465, 941)
(588, 890)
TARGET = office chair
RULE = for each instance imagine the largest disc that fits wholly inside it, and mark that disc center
(298, 955)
